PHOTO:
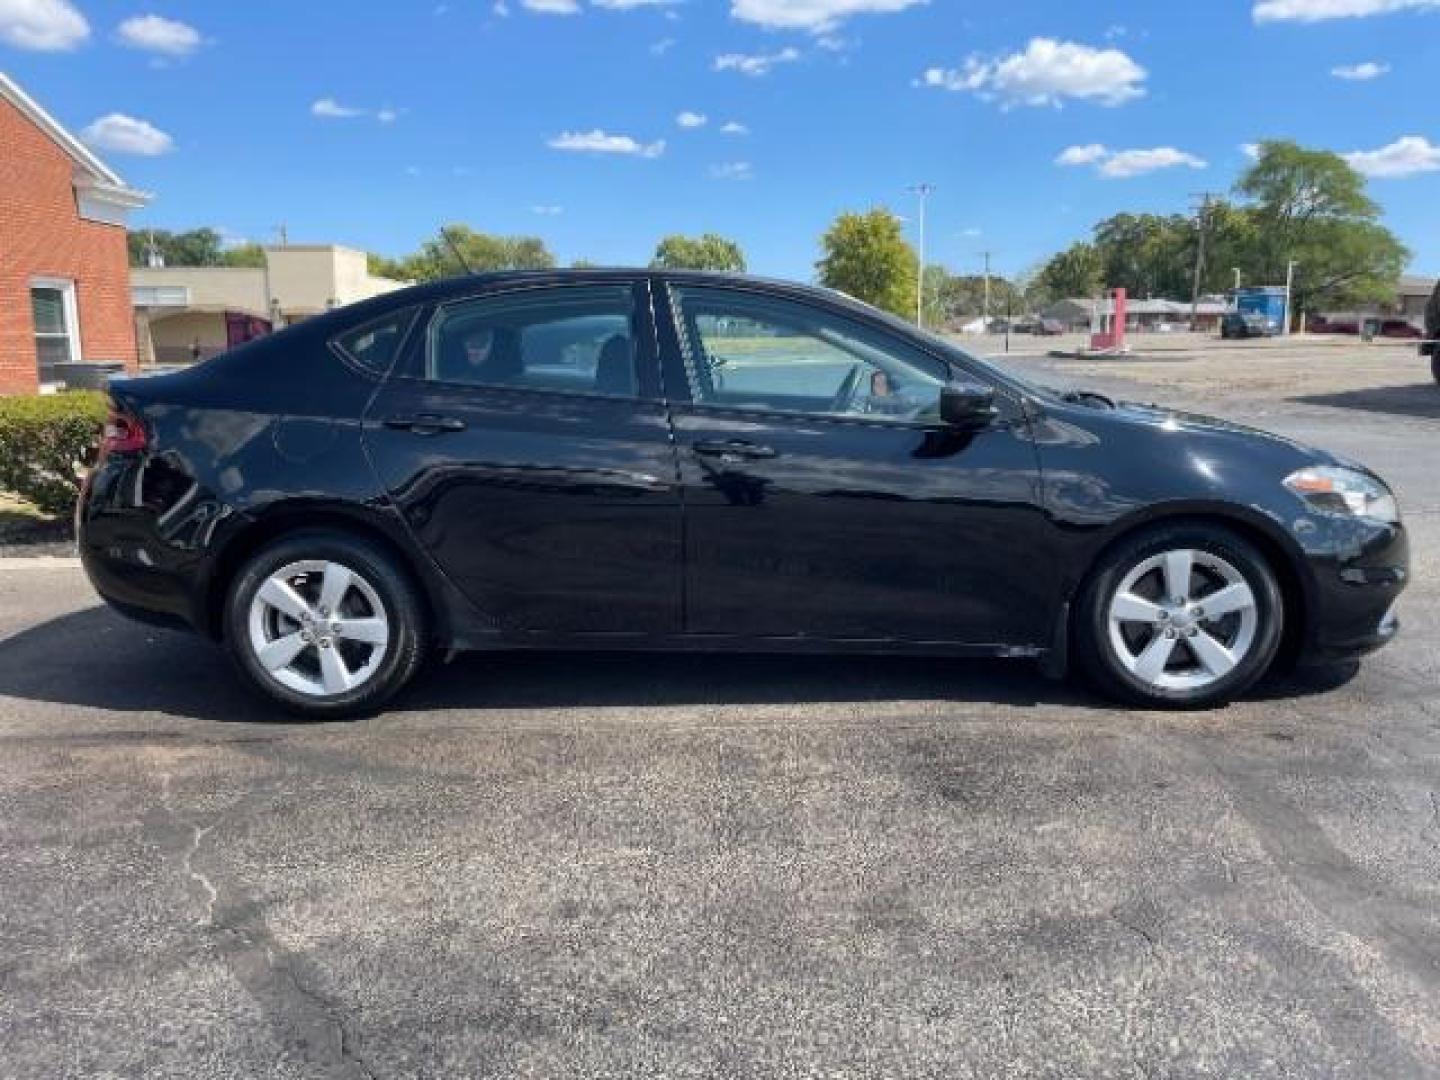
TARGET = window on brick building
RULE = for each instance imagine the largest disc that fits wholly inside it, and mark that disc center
(57, 338)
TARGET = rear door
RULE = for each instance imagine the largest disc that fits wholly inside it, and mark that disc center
(524, 440)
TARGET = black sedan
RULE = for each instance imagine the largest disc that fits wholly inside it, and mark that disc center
(639, 460)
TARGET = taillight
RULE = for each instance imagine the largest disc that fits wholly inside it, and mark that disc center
(123, 434)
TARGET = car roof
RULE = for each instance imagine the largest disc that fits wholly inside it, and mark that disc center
(466, 284)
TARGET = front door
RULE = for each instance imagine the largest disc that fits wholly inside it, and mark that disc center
(528, 451)
(823, 497)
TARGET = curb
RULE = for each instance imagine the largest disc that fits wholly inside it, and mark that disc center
(39, 562)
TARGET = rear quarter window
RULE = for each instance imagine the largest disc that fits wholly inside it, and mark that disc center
(374, 345)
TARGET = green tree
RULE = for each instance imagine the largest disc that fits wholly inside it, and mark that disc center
(960, 298)
(383, 266)
(708, 252)
(251, 255)
(458, 248)
(866, 256)
(195, 247)
(1078, 271)
(1311, 206)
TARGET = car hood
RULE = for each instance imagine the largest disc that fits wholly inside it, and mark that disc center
(1198, 424)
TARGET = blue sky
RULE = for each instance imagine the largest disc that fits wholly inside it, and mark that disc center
(371, 123)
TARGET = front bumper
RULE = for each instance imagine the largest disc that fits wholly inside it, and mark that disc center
(1358, 571)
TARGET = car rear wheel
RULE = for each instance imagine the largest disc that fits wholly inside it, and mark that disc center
(324, 624)
(1183, 616)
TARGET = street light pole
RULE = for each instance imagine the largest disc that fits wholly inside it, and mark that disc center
(985, 310)
(1289, 294)
(923, 191)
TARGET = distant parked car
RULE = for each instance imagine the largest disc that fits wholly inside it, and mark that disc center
(1244, 324)
(1023, 326)
(1049, 328)
(1399, 328)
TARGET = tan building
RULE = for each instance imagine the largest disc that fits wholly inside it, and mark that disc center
(184, 313)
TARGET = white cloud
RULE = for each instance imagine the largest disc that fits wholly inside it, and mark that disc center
(501, 9)
(1122, 164)
(734, 127)
(552, 7)
(733, 170)
(121, 134)
(547, 210)
(756, 64)
(1360, 72)
(1321, 10)
(661, 47)
(153, 33)
(1082, 155)
(971, 233)
(816, 16)
(1408, 156)
(630, 5)
(1251, 150)
(688, 119)
(327, 108)
(1046, 73)
(600, 142)
(1127, 163)
(42, 25)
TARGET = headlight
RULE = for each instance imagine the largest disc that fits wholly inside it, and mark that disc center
(1331, 489)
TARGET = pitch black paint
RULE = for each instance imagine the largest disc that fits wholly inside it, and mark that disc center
(537, 518)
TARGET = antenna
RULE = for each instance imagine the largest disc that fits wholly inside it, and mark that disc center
(454, 250)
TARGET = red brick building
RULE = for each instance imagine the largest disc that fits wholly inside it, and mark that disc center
(64, 273)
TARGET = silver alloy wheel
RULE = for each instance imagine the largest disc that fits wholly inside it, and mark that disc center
(318, 628)
(1183, 619)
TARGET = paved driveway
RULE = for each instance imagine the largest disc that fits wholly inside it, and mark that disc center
(730, 867)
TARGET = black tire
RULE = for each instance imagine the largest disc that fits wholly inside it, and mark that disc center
(1097, 656)
(399, 601)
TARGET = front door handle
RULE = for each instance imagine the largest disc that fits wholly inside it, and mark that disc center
(733, 450)
(425, 424)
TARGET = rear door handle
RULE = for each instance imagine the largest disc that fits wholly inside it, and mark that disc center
(733, 450)
(425, 424)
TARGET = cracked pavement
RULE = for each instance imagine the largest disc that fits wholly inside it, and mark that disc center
(620, 866)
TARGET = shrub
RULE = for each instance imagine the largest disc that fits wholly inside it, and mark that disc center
(46, 442)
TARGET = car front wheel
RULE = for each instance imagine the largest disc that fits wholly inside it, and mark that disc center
(324, 624)
(1184, 616)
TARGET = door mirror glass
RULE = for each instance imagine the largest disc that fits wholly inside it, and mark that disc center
(967, 405)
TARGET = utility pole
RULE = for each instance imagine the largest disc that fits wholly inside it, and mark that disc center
(284, 234)
(1237, 277)
(1289, 294)
(1202, 227)
(923, 191)
(985, 311)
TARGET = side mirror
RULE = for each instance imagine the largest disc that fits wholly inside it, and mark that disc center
(967, 405)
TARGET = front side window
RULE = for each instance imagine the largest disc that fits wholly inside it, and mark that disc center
(52, 306)
(749, 351)
(578, 339)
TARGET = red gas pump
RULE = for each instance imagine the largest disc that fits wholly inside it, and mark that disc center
(1111, 338)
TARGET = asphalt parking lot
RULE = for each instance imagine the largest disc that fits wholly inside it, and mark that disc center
(738, 867)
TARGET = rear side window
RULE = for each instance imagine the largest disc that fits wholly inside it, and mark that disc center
(375, 344)
(575, 339)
